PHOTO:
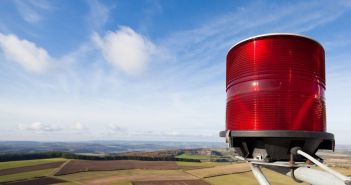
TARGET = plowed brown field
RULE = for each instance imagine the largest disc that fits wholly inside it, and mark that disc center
(75, 166)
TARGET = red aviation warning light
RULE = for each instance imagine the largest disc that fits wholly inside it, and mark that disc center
(275, 87)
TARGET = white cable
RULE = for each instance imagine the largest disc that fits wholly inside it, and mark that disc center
(324, 167)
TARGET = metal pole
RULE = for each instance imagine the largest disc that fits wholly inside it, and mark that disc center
(324, 167)
(315, 177)
(301, 173)
(308, 175)
(256, 170)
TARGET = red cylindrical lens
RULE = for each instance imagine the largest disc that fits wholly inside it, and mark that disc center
(276, 82)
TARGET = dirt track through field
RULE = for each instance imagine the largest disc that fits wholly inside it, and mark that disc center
(30, 168)
(37, 181)
(220, 170)
(75, 166)
(59, 168)
(170, 182)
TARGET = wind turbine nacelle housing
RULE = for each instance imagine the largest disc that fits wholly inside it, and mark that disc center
(275, 87)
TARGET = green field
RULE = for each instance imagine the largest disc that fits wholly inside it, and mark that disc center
(25, 175)
(122, 183)
(198, 164)
(247, 178)
(14, 164)
(239, 179)
(190, 156)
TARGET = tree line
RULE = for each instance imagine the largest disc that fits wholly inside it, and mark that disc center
(67, 155)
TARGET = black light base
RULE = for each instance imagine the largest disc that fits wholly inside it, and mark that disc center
(275, 145)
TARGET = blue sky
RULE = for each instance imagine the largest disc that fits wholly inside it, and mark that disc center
(151, 70)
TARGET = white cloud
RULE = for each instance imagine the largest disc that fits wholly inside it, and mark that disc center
(125, 49)
(30, 10)
(175, 134)
(79, 126)
(98, 15)
(38, 126)
(25, 53)
(115, 128)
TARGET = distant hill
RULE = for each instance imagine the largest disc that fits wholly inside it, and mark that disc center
(100, 147)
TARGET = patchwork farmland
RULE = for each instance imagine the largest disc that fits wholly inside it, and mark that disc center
(133, 172)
